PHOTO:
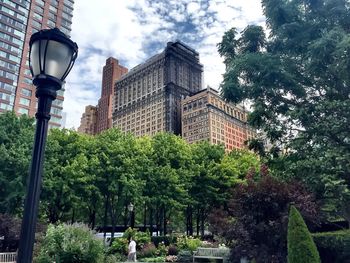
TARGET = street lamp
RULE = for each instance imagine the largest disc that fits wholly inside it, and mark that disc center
(51, 58)
(132, 215)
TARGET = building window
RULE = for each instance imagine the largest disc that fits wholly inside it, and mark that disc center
(53, 9)
(39, 9)
(25, 102)
(23, 111)
(37, 16)
(55, 119)
(51, 23)
(26, 92)
(36, 24)
(5, 106)
(40, 2)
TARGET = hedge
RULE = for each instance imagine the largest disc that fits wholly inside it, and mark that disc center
(333, 246)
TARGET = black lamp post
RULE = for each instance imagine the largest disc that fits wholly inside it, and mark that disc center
(52, 56)
(132, 215)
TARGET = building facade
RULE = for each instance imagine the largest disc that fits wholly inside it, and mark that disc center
(19, 19)
(112, 71)
(206, 116)
(148, 98)
(88, 120)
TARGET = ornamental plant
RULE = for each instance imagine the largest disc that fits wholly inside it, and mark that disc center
(70, 243)
(254, 225)
(301, 246)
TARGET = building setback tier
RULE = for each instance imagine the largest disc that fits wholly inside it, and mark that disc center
(148, 98)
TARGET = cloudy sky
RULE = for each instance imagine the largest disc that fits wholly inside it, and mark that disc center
(133, 30)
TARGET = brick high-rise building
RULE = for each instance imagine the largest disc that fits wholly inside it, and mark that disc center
(19, 19)
(206, 116)
(88, 120)
(112, 71)
(148, 98)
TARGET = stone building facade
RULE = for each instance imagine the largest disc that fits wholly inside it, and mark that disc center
(148, 98)
(88, 120)
(206, 116)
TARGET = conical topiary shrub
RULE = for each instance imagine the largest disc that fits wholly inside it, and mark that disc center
(301, 246)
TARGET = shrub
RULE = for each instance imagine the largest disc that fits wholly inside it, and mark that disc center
(119, 246)
(301, 247)
(141, 238)
(254, 225)
(149, 250)
(63, 243)
(172, 250)
(333, 246)
(188, 243)
(184, 256)
(167, 240)
(162, 250)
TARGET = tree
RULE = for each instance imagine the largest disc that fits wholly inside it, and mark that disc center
(167, 185)
(16, 140)
(255, 221)
(63, 175)
(301, 246)
(204, 185)
(118, 170)
(298, 85)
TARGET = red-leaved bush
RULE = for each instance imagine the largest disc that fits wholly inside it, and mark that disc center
(255, 222)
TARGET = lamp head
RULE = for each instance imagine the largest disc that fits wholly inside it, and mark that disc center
(130, 207)
(52, 56)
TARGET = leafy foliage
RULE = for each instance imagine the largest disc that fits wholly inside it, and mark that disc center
(297, 83)
(301, 247)
(255, 223)
(188, 243)
(70, 243)
(93, 179)
(333, 246)
(16, 140)
(10, 228)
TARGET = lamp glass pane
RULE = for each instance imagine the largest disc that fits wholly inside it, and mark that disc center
(34, 58)
(58, 59)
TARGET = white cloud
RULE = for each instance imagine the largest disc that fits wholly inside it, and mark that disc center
(123, 29)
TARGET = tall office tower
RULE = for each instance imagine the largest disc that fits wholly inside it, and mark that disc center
(112, 71)
(148, 98)
(206, 116)
(88, 120)
(19, 19)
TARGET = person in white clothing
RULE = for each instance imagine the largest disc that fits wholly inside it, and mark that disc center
(132, 250)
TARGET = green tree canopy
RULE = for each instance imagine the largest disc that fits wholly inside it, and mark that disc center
(298, 84)
(16, 140)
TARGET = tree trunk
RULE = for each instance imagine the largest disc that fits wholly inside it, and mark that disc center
(197, 222)
(187, 221)
(145, 216)
(112, 214)
(164, 221)
(73, 216)
(190, 221)
(151, 221)
(202, 222)
(105, 218)
(92, 218)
